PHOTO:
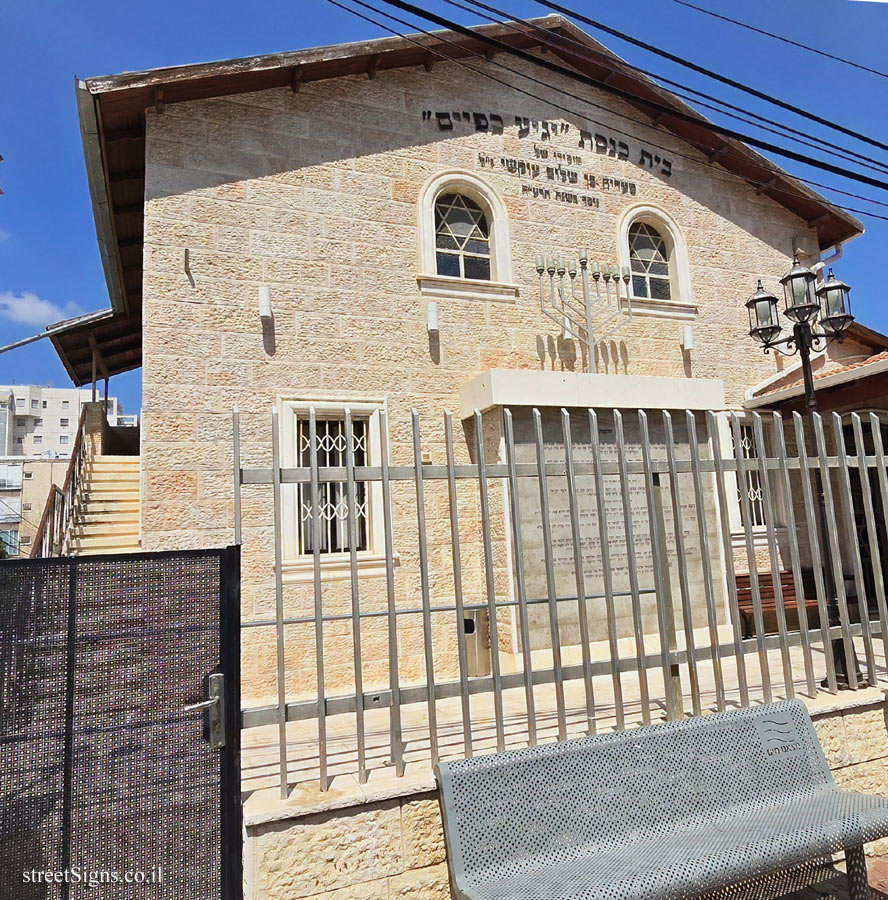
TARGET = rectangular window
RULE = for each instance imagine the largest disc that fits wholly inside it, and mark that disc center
(20, 402)
(65, 404)
(38, 438)
(9, 540)
(63, 438)
(753, 485)
(38, 422)
(332, 499)
(27, 474)
(21, 423)
(10, 476)
(34, 404)
(26, 506)
(44, 404)
(18, 440)
(63, 423)
(26, 539)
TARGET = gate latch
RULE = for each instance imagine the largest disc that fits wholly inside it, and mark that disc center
(214, 709)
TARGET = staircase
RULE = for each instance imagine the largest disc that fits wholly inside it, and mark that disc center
(106, 514)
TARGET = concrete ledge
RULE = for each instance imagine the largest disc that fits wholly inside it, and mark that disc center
(523, 387)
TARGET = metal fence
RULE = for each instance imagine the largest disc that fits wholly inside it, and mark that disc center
(706, 517)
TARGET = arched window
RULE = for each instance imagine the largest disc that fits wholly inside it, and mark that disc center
(649, 262)
(653, 248)
(464, 244)
(462, 238)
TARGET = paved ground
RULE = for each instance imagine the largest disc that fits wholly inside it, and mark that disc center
(836, 888)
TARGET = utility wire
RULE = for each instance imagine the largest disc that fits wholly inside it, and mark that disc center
(439, 38)
(560, 41)
(18, 512)
(708, 72)
(634, 98)
(780, 37)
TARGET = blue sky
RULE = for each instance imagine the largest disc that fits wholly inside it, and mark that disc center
(49, 263)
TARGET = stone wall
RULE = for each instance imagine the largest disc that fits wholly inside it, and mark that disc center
(315, 194)
(394, 848)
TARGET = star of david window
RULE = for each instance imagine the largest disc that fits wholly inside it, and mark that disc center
(462, 238)
(649, 260)
(332, 496)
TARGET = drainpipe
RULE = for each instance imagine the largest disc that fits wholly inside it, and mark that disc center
(838, 252)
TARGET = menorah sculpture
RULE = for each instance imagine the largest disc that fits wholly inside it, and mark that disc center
(576, 316)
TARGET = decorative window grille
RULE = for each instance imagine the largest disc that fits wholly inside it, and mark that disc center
(649, 260)
(462, 238)
(333, 496)
(753, 484)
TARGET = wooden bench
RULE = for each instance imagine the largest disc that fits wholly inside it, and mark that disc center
(740, 803)
(769, 601)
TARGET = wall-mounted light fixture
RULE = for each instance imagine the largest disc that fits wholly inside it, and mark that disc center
(264, 302)
(432, 317)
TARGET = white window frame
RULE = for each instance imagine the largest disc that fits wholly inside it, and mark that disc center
(500, 287)
(681, 305)
(735, 514)
(298, 567)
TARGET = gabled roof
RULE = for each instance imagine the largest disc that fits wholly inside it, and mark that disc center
(113, 125)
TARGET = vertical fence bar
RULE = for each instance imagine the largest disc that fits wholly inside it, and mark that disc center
(520, 587)
(452, 498)
(279, 602)
(671, 678)
(835, 550)
(773, 555)
(579, 570)
(235, 432)
(318, 595)
(424, 588)
(794, 556)
(606, 575)
(682, 560)
(746, 516)
(490, 584)
(871, 531)
(814, 544)
(854, 546)
(396, 743)
(711, 618)
(728, 553)
(632, 566)
(554, 631)
(352, 532)
(882, 473)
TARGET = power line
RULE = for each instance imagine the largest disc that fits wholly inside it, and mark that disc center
(18, 512)
(559, 41)
(780, 37)
(634, 98)
(511, 86)
(708, 72)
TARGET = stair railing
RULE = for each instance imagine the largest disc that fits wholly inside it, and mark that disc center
(52, 534)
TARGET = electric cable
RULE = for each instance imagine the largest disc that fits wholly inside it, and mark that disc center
(18, 512)
(627, 95)
(559, 41)
(780, 37)
(511, 86)
(566, 11)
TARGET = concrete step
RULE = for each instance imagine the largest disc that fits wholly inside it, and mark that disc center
(106, 529)
(88, 517)
(105, 544)
(115, 458)
(102, 489)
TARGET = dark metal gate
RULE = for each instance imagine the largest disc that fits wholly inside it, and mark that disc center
(109, 786)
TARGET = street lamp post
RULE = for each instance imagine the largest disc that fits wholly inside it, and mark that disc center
(828, 306)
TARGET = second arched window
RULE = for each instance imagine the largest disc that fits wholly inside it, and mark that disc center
(462, 238)
(649, 260)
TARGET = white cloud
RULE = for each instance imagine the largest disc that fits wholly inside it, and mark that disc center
(29, 309)
(4, 235)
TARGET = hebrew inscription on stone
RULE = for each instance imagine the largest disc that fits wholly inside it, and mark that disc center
(616, 546)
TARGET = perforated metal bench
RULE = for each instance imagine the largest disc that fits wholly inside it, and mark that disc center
(735, 804)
